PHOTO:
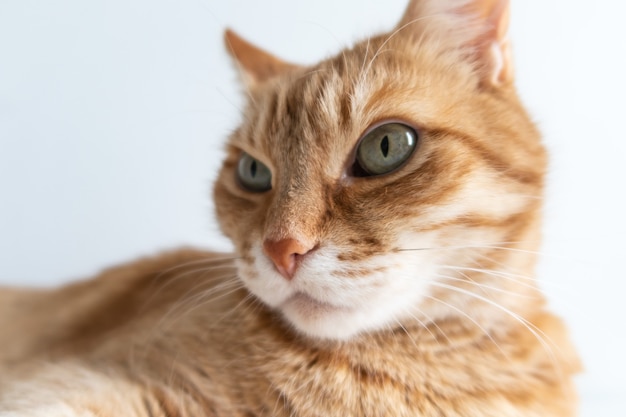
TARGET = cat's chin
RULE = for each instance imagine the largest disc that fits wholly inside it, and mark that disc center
(321, 320)
(310, 306)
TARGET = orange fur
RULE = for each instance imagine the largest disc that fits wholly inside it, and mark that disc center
(410, 293)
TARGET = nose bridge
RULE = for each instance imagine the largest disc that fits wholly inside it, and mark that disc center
(297, 207)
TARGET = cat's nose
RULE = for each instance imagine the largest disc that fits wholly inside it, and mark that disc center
(284, 254)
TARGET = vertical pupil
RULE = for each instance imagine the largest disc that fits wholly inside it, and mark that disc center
(253, 169)
(384, 146)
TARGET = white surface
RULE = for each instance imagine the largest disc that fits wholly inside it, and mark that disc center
(113, 114)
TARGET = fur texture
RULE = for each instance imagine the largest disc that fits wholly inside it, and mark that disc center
(404, 294)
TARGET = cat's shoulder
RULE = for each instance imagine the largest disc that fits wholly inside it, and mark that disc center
(35, 320)
(165, 262)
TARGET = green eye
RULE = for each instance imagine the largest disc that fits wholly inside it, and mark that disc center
(384, 149)
(253, 175)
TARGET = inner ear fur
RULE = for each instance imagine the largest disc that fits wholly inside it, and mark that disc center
(478, 26)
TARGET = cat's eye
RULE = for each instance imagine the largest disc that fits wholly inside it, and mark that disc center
(253, 175)
(384, 149)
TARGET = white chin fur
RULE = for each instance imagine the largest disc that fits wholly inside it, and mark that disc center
(325, 321)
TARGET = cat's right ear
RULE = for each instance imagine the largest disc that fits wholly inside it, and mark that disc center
(254, 64)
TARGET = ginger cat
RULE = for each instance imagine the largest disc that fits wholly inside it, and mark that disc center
(385, 206)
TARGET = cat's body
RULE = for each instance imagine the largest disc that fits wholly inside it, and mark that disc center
(392, 279)
(108, 350)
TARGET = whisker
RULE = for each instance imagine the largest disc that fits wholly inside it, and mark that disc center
(332, 35)
(206, 261)
(235, 106)
(421, 323)
(367, 50)
(392, 35)
(434, 323)
(468, 279)
(470, 319)
(538, 333)
(411, 338)
(522, 280)
(515, 277)
(484, 287)
(199, 299)
(478, 246)
(154, 292)
(172, 314)
(248, 301)
(314, 71)
(506, 270)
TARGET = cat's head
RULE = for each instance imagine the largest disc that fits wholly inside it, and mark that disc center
(398, 182)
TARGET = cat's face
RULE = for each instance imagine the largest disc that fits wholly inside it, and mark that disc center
(366, 192)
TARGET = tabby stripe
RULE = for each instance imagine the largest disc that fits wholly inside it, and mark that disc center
(269, 120)
(492, 158)
(478, 220)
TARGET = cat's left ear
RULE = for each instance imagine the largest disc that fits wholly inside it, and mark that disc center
(255, 65)
(494, 45)
(479, 27)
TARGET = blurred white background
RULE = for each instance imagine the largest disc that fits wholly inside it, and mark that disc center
(113, 114)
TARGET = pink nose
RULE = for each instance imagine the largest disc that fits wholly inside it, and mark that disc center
(284, 254)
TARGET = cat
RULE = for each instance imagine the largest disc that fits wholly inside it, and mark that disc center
(385, 208)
